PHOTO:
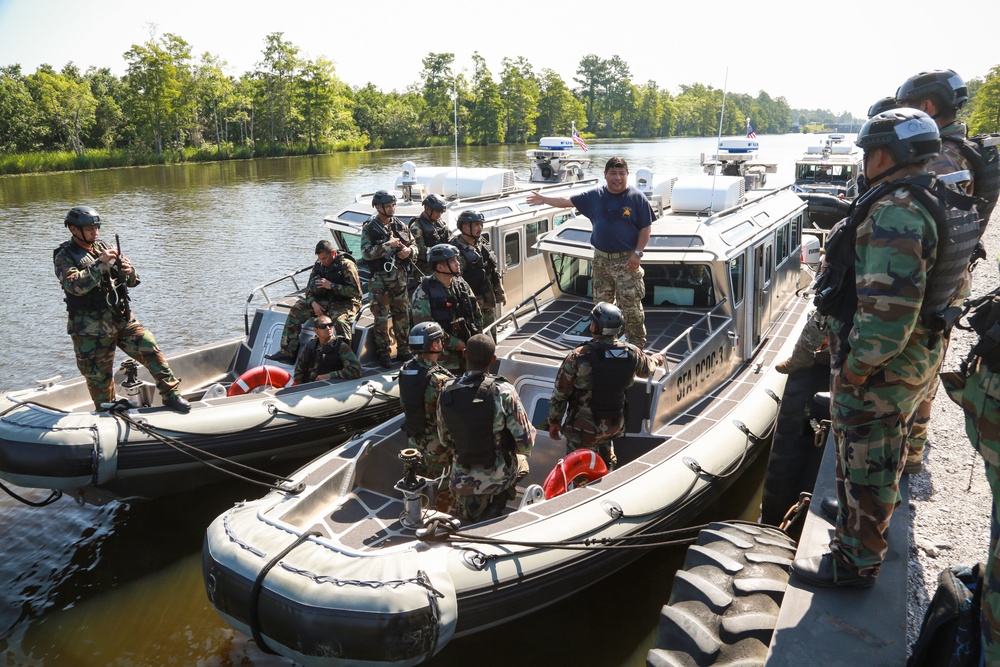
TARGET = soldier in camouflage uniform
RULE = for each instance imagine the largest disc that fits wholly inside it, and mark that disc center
(977, 390)
(481, 419)
(621, 216)
(420, 383)
(940, 94)
(593, 420)
(96, 279)
(444, 297)
(479, 265)
(884, 352)
(428, 230)
(334, 289)
(328, 356)
(388, 247)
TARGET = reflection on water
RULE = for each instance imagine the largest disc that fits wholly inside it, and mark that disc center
(121, 585)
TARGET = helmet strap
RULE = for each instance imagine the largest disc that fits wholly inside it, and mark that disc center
(877, 178)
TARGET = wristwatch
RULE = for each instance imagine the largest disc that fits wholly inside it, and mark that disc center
(638, 252)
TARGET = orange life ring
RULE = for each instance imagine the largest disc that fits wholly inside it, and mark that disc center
(584, 462)
(260, 376)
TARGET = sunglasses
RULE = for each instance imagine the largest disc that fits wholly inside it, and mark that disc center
(322, 326)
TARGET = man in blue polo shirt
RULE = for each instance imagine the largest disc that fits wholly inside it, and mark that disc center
(621, 216)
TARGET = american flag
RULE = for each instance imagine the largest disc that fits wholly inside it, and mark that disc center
(578, 141)
(751, 133)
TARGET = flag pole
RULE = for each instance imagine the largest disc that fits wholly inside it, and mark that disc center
(718, 144)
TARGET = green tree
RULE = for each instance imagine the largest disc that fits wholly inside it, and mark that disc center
(592, 75)
(276, 97)
(984, 106)
(486, 117)
(215, 96)
(619, 98)
(318, 92)
(66, 103)
(649, 112)
(438, 93)
(520, 94)
(558, 109)
(18, 112)
(109, 118)
(153, 82)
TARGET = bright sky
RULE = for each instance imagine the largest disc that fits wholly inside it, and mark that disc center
(787, 48)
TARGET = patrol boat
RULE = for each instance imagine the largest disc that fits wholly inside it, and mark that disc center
(357, 570)
(826, 177)
(245, 411)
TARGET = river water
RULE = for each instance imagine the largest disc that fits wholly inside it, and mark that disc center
(121, 584)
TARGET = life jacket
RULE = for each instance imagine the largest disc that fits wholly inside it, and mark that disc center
(328, 359)
(96, 300)
(338, 274)
(958, 231)
(982, 152)
(481, 271)
(413, 381)
(379, 235)
(448, 308)
(613, 372)
(434, 232)
(467, 407)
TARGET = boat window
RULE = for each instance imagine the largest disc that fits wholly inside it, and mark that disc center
(736, 279)
(762, 219)
(768, 264)
(572, 274)
(540, 415)
(679, 285)
(562, 217)
(497, 212)
(781, 244)
(796, 228)
(575, 236)
(825, 173)
(485, 236)
(532, 231)
(354, 216)
(734, 235)
(512, 249)
(675, 242)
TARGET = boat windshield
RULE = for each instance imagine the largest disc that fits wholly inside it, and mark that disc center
(667, 284)
(825, 173)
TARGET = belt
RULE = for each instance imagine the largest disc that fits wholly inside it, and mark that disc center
(611, 255)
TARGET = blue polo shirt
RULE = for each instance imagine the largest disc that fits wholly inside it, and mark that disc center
(617, 219)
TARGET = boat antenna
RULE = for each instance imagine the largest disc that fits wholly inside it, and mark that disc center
(454, 98)
(718, 144)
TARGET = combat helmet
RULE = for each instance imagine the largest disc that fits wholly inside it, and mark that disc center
(383, 197)
(467, 217)
(945, 83)
(442, 252)
(607, 317)
(910, 135)
(884, 104)
(423, 334)
(434, 202)
(82, 216)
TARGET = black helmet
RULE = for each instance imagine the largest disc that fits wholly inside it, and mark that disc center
(423, 334)
(442, 252)
(434, 202)
(82, 216)
(383, 197)
(884, 104)
(944, 83)
(469, 217)
(910, 134)
(608, 319)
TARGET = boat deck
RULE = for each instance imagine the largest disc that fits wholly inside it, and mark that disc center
(829, 626)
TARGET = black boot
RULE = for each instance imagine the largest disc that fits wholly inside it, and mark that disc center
(828, 571)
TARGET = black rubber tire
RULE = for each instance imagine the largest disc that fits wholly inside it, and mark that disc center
(725, 601)
(794, 460)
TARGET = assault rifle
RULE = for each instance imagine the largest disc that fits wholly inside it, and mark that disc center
(120, 288)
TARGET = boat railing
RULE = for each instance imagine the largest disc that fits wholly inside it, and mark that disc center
(683, 346)
(512, 314)
(263, 291)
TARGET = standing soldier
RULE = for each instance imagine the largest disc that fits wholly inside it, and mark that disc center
(479, 265)
(420, 383)
(334, 289)
(892, 270)
(445, 298)
(96, 278)
(388, 247)
(428, 230)
(595, 418)
(481, 420)
(940, 94)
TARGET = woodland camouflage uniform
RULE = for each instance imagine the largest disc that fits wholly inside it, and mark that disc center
(475, 487)
(97, 333)
(451, 357)
(896, 246)
(614, 283)
(423, 244)
(387, 290)
(341, 302)
(437, 457)
(493, 293)
(573, 390)
(316, 360)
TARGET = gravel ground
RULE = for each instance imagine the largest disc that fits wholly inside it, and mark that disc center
(950, 500)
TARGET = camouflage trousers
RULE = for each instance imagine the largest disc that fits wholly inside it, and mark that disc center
(614, 283)
(482, 507)
(301, 312)
(594, 435)
(870, 424)
(95, 357)
(388, 297)
(980, 400)
(488, 306)
(916, 441)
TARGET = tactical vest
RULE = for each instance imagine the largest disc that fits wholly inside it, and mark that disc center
(613, 372)
(984, 319)
(337, 274)
(985, 162)
(434, 232)
(413, 381)
(328, 358)
(958, 232)
(480, 269)
(96, 300)
(445, 309)
(467, 407)
(379, 235)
